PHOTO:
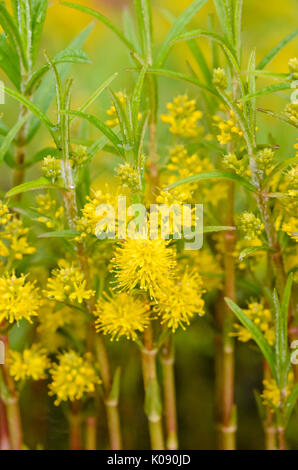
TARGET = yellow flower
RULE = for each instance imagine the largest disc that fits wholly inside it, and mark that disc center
(143, 263)
(18, 299)
(272, 395)
(73, 376)
(262, 317)
(52, 215)
(68, 283)
(122, 315)
(31, 363)
(183, 117)
(181, 300)
(250, 225)
(291, 228)
(229, 129)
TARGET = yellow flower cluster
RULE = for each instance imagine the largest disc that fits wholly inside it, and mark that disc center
(122, 315)
(143, 263)
(187, 165)
(51, 318)
(31, 363)
(18, 299)
(262, 317)
(13, 236)
(51, 167)
(229, 129)
(292, 112)
(183, 117)
(68, 284)
(91, 217)
(250, 225)
(272, 396)
(52, 215)
(73, 377)
(180, 300)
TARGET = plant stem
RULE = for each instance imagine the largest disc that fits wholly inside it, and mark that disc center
(4, 433)
(226, 413)
(111, 404)
(90, 433)
(269, 425)
(12, 406)
(150, 376)
(168, 361)
(75, 427)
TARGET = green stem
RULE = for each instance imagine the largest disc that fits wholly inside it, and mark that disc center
(150, 376)
(168, 361)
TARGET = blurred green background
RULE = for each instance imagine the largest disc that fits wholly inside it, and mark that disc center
(265, 23)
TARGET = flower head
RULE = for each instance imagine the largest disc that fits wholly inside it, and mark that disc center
(73, 376)
(181, 301)
(31, 363)
(122, 315)
(143, 263)
(250, 225)
(68, 283)
(18, 298)
(220, 79)
(51, 167)
(183, 117)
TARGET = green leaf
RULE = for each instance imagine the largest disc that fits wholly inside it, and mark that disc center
(144, 16)
(8, 139)
(281, 117)
(11, 31)
(103, 19)
(226, 46)
(237, 26)
(225, 16)
(113, 138)
(267, 90)
(46, 92)
(74, 56)
(9, 62)
(97, 93)
(60, 234)
(291, 402)
(31, 106)
(200, 59)
(176, 29)
(40, 183)
(256, 334)
(252, 250)
(251, 81)
(38, 15)
(183, 77)
(280, 340)
(268, 58)
(212, 175)
(136, 98)
(125, 122)
(218, 228)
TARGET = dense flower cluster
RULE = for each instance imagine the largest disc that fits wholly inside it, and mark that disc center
(31, 363)
(72, 377)
(182, 117)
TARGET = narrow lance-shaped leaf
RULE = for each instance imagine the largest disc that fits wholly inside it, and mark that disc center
(113, 138)
(103, 19)
(213, 175)
(256, 334)
(270, 56)
(40, 183)
(11, 135)
(176, 29)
